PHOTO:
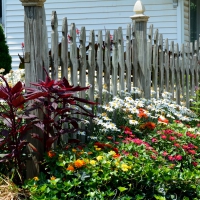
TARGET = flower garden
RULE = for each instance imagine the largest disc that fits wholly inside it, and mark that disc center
(138, 149)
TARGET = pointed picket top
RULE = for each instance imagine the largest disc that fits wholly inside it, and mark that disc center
(150, 35)
(54, 20)
(139, 10)
(156, 36)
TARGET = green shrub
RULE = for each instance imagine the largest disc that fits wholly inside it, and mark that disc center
(5, 58)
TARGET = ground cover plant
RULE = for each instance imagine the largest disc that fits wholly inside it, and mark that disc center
(140, 149)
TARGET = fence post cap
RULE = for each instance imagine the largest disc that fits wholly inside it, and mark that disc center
(32, 2)
(139, 10)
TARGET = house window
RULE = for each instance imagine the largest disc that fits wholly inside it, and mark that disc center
(194, 20)
(0, 11)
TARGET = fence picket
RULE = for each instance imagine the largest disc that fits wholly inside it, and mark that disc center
(100, 67)
(161, 69)
(115, 63)
(149, 61)
(54, 45)
(182, 71)
(167, 65)
(177, 73)
(73, 55)
(171, 69)
(192, 66)
(196, 64)
(121, 61)
(82, 60)
(155, 65)
(107, 65)
(91, 65)
(187, 74)
(64, 49)
(128, 58)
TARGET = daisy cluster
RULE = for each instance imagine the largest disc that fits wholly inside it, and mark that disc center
(14, 76)
(154, 108)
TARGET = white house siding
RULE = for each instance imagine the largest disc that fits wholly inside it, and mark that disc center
(93, 14)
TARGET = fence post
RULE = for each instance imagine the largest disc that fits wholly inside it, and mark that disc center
(141, 37)
(36, 54)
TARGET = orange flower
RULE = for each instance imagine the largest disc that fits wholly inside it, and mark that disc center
(51, 154)
(163, 120)
(53, 178)
(70, 168)
(150, 125)
(116, 156)
(89, 153)
(142, 115)
(79, 163)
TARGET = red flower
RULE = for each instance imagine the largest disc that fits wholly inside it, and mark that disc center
(168, 131)
(22, 45)
(176, 144)
(51, 154)
(137, 141)
(109, 137)
(153, 157)
(150, 125)
(171, 158)
(194, 164)
(193, 152)
(116, 156)
(77, 32)
(136, 154)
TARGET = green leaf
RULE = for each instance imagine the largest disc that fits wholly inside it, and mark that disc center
(159, 197)
(139, 197)
(122, 189)
(186, 198)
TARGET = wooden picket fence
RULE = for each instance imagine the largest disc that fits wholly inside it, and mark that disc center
(170, 68)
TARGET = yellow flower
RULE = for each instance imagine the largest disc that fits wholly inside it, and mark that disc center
(125, 167)
(98, 149)
(53, 178)
(35, 178)
(112, 153)
(117, 163)
(92, 162)
(74, 150)
(99, 158)
(87, 160)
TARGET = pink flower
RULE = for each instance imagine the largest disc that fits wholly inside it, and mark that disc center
(172, 138)
(154, 140)
(178, 157)
(22, 45)
(77, 32)
(171, 158)
(153, 157)
(125, 153)
(164, 153)
(168, 131)
(193, 152)
(137, 141)
(163, 137)
(136, 154)
(111, 37)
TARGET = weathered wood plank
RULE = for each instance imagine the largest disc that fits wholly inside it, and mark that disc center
(115, 63)
(134, 57)
(149, 62)
(171, 70)
(91, 64)
(193, 60)
(73, 55)
(82, 59)
(167, 65)
(100, 68)
(121, 61)
(187, 68)
(155, 65)
(45, 48)
(177, 73)
(128, 58)
(182, 71)
(107, 68)
(54, 45)
(64, 49)
(161, 67)
(196, 71)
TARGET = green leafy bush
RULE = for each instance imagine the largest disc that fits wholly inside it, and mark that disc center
(148, 153)
(5, 58)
